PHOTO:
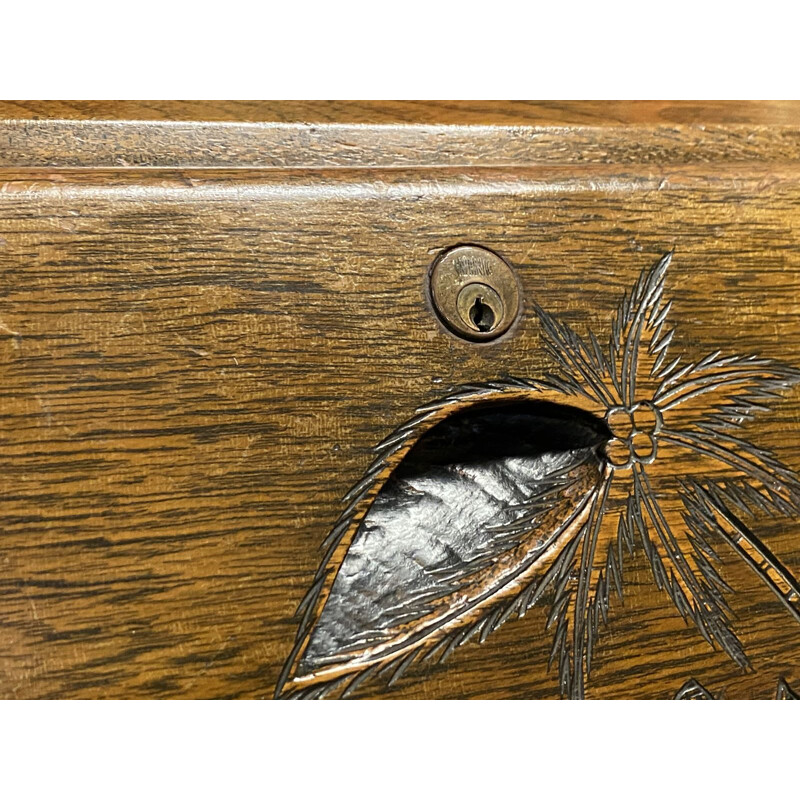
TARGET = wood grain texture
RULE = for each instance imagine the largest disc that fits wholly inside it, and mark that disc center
(416, 112)
(197, 357)
(120, 144)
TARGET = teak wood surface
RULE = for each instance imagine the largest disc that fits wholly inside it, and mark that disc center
(211, 312)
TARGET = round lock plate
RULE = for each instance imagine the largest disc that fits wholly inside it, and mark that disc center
(475, 292)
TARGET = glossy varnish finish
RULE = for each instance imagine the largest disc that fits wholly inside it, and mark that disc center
(199, 350)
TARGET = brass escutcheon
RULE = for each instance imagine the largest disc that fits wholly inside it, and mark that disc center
(475, 292)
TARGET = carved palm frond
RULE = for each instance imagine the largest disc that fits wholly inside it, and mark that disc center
(723, 392)
(709, 514)
(582, 368)
(682, 563)
(640, 337)
(583, 592)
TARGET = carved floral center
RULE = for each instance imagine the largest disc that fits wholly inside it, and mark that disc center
(635, 430)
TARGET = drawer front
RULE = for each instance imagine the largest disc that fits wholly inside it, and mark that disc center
(203, 343)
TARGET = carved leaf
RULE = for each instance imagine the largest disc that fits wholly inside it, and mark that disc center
(463, 518)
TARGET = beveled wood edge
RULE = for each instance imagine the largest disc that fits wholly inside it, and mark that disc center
(420, 112)
(249, 183)
(132, 144)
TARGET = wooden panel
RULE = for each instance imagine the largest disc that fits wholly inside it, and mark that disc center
(196, 364)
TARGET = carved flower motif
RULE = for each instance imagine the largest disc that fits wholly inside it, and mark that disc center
(680, 478)
(635, 431)
(411, 570)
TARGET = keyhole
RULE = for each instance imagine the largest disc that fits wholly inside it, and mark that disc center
(480, 311)
(481, 315)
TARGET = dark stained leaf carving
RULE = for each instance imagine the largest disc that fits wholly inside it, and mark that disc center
(504, 494)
